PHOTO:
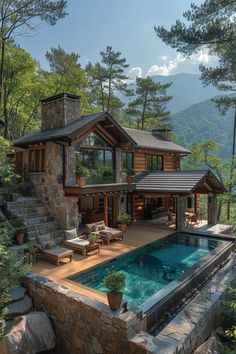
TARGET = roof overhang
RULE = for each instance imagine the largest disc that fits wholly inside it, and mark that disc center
(179, 182)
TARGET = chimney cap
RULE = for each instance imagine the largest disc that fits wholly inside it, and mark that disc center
(59, 96)
(161, 130)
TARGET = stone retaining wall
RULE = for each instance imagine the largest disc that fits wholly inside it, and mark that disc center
(85, 325)
(82, 325)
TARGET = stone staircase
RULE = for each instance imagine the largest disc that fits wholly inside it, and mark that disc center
(36, 218)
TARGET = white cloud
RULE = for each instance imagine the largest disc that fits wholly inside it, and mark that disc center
(181, 64)
(135, 72)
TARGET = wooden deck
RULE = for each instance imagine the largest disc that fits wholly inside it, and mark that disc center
(137, 235)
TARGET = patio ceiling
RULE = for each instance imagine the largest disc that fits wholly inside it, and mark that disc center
(182, 182)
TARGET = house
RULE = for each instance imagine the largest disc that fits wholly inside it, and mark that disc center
(50, 156)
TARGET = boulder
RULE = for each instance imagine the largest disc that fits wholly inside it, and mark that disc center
(20, 307)
(210, 347)
(18, 293)
(32, 334)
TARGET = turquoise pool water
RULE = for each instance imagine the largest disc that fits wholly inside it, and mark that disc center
(152, 267)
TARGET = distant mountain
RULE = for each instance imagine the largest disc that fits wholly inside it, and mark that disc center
(186, 89)
(202, 121)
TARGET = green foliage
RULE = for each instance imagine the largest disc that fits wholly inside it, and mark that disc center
(130, 172)
(124, 218)
(114, 282)
(106, 79)
(12, 269)
(149, 105)
(82, 171)
(228, 312)
(92, 237)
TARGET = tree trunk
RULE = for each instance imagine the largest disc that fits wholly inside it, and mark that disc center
(144, 109)
(2, 81)
(232, 165)
(219, 210)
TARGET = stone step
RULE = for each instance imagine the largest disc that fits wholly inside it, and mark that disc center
(20, 307)
(23, 204)
(25, 210)
(44, 228)
(17, 293)
(37, 220)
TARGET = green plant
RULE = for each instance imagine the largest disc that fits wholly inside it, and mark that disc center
(82, 171)
(124, 218)
(114, 282)
(18, 225)
(12, 269)
(92, 237)
(130, 172)
(31, 245)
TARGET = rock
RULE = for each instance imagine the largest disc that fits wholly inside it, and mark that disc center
(18, 293)
(210, 347)
(20, 307)
(32, 333)
(219, 332)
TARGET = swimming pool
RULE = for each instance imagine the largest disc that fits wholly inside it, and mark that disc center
(151, 268)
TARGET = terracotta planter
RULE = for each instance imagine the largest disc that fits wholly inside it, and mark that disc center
(130, 179)
(81, 181)
(123, 227)
(20, 239)
(114, 301)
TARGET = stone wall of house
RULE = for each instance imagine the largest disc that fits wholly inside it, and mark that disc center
(51, 191)
(70, 166)
(81, 324)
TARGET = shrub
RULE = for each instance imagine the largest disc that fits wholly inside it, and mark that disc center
(124, 218)
(114, 282)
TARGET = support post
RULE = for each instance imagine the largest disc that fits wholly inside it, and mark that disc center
(212, 208)
(180, 213)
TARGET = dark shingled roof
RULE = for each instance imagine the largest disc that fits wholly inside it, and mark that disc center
(178, 182)
(70, 131)
(154, 141)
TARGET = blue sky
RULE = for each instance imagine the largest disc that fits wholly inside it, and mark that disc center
(126, 25)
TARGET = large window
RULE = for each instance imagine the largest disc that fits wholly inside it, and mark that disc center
(155, 163)
(98, 157)
(127, 161)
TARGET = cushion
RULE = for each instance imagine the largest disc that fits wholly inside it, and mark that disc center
(50, 244)
(78, 241)
(70, 234)
(105, 233)
(58, 251)
(43, 238)
(89, 227)
(100, 225)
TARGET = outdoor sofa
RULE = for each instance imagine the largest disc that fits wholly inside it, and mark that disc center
(105, 233)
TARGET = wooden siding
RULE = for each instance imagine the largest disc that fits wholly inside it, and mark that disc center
(171, 161)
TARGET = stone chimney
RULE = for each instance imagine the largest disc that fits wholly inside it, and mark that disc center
(60, 110)
(163, 132)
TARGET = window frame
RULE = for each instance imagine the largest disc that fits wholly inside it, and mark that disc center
(150, 162)
(126, 153)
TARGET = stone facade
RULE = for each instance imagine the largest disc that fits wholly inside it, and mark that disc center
(58, 111)
(51, 190)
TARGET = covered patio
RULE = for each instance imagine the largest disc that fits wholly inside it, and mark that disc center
(179, 186)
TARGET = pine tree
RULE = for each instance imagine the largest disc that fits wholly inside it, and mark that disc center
(149, 105)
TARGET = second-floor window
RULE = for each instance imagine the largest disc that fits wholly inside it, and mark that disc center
(155, 163)
(127, 161)
(97, 156)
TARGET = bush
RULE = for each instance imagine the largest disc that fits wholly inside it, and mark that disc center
(12, 269)
(124, 218)
(114, 282)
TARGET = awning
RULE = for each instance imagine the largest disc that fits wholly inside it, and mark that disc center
(183, 182)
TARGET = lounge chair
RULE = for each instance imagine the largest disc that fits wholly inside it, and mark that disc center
(51, 251)
(105, 233)
(75, 243)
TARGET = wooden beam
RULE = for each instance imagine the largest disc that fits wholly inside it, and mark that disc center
(106, 135)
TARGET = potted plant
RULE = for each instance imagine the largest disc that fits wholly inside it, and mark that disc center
(115, 283)
(82, 173)
(130, 173)
(123, 220)
(20, 230)
(32, 247)
(92, 239)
